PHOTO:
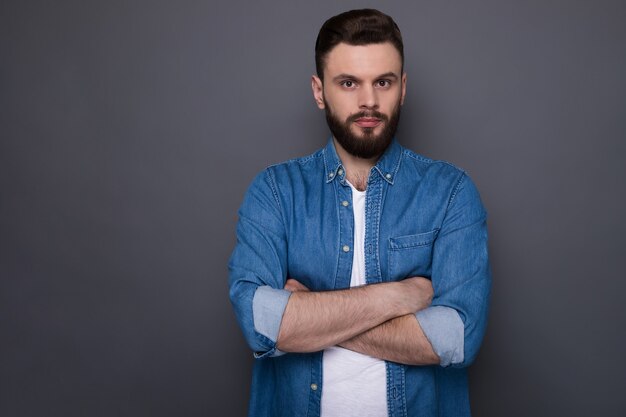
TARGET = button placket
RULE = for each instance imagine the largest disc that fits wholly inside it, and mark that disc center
(345, 236)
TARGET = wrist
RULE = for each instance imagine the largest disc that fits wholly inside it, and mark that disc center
(400, 299)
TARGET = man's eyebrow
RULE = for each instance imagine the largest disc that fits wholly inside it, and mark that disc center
(344, 76)
(389, 75)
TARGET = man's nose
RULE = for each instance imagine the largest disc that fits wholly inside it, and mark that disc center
(368, 97)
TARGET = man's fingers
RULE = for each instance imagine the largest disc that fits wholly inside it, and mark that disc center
(294, 285)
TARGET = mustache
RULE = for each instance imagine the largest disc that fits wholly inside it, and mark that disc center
(368, 114)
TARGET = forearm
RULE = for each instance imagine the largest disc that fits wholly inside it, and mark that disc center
(398, 340)
(316, 320)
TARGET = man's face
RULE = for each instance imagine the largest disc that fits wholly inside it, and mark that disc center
(362, 92)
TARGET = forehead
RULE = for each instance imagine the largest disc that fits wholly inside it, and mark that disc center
(363, 60)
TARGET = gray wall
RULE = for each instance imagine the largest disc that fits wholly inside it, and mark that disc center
(129, 132)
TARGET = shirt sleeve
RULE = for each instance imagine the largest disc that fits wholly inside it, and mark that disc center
(258, 268)
(444, 330)
(456, 321)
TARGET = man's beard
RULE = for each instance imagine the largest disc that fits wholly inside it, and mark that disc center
(368, 145)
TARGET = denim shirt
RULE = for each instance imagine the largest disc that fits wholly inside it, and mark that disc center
(423, 218)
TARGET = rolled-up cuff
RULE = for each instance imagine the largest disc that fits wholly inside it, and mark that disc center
(269, 354)
(445, 331)
(268, 306)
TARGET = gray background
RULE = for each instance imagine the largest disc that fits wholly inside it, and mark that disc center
(130, 131)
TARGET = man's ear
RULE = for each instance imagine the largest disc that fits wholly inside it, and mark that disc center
(403, 88)
(318, 91)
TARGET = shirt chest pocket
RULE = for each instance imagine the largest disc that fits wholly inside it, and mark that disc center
(411, 255)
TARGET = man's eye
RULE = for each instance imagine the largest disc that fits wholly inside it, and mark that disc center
(383, 83)
(348, 84)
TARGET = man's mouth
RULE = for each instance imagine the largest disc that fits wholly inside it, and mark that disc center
(368, 121)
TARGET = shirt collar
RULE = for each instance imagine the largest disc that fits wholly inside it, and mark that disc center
(387, 166)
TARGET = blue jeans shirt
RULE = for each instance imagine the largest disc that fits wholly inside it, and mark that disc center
(423, 218)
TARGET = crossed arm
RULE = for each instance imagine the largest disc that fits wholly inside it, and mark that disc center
(376, 320)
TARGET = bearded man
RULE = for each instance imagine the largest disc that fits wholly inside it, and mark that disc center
(360, 276)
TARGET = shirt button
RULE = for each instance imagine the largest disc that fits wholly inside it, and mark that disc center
(388, 176)
(346, 248)
(344, 203)
(340, 172)
(332, 174)
(314, 387)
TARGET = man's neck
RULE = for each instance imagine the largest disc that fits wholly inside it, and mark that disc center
(357, 169)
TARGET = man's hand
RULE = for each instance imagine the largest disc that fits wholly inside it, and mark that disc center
(420, 291)
(294, 286)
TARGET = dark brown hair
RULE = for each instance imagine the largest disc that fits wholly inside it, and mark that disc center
(356, 27)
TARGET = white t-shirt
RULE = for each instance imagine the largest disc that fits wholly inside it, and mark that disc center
(354, 384)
